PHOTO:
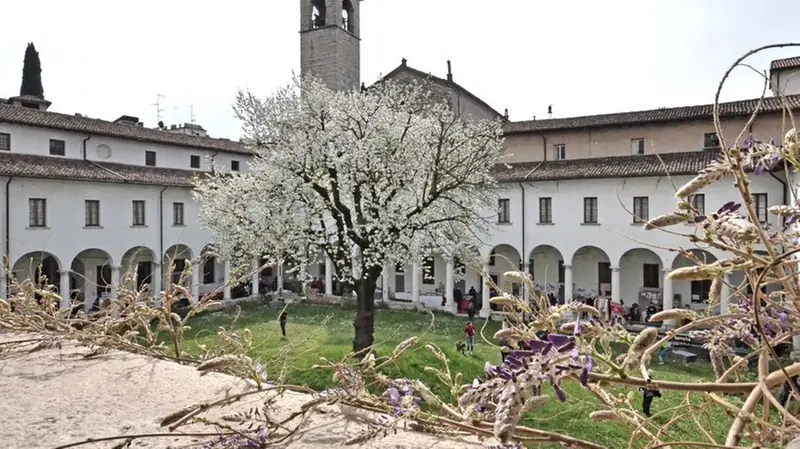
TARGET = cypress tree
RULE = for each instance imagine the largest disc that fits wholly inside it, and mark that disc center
(32, 74)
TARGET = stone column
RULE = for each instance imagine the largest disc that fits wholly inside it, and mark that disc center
(667, 299)
(279, 269)
(567, 283)
(328, 276)
(386, 277)
(227, 281)
(615, 285)
(254, 278)
(449, 286)
(197, 267)
(486, 306)
(415, 274)
(63, 290)
(725, 295)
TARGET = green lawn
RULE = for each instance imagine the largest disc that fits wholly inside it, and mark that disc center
(327, 332)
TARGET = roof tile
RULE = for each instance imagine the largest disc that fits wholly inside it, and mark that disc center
(734, 108)
(33, 117)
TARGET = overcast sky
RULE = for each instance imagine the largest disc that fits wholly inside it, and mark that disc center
(105, 59)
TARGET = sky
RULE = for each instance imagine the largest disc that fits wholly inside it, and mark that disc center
(106, 59)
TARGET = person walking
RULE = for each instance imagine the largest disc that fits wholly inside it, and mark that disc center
(284, 317)
(470, 332)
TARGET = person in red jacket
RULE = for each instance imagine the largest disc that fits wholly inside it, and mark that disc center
(470, 331)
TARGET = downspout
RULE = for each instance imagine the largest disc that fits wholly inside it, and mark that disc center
(85, 159)
(8, 235)
(161, 225)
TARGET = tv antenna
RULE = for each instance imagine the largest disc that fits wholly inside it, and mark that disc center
(157, 104)
(191, 114)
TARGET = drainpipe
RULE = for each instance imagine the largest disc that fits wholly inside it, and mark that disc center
(161, 225)
(544, 147)
(8, 234)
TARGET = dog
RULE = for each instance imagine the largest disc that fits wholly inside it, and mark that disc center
(461, 347)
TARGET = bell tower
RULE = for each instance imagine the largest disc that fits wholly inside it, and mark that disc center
(330, 42)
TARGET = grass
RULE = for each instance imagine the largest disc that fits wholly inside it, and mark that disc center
(327, 332)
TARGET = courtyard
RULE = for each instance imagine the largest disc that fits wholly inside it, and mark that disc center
(326, 332)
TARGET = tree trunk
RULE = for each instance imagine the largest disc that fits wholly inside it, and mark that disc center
(364, 322)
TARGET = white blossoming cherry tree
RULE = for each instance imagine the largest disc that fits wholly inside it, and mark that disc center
(361, 177)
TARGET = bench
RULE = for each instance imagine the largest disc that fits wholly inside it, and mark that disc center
(685, 356)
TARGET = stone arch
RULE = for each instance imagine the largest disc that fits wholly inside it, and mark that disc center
(641, 277)
(546, 267)
(691, 293)
(503, 258)
(32, 266)
(92, 275)
(137, 266)
(591, 273)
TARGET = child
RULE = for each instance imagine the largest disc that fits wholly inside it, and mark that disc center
(665, 348)
(648, 393)
(470, 331)
(283, 318)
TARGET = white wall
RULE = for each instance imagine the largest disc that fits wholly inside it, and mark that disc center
(36, 141)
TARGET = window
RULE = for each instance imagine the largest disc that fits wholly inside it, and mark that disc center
(57, 148)
(150, 158)
(138, 213)
(37, 212)
(590, 210)
(194, 161)
(710, 140)
(699, 203)
(428, 271)
(545, 210)
(234, 165)
(5, 142)
(209, 267)
(177, 214)
(92, 213)
(559, 152)
(637, 146)
(651, 275)
(503, 210)
(761, 206)
(641, 209)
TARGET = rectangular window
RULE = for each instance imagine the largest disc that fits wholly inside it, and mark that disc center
(138, 213)
(503, 210)
(92, 213)
(651, 275)
(545, 210)
(428, 271)
(761, 206)
(699, 203)
(559, 152)
(194, 161)
(37, 212)
(5, 142)
(710, 141)
(590, 210)
(641, 209)
(637, 146)
(150, 158)
(57, 147)
(177, 214)
(234, 165)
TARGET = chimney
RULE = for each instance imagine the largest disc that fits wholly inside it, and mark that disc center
(449, 72)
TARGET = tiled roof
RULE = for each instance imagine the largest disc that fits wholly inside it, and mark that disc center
(688, 163)
(440, 81)
(34, 117)
(49, 167)
(787, 63)
(731, 109)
